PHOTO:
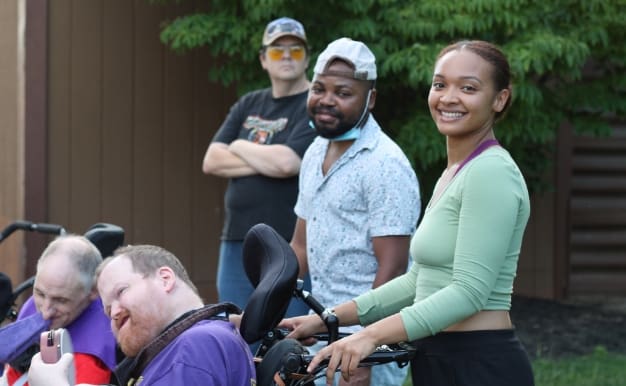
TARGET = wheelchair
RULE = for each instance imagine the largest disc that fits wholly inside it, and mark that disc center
(272, 268)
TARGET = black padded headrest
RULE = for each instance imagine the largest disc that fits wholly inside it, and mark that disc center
(272, 268)
(106, 237)
(6, 295)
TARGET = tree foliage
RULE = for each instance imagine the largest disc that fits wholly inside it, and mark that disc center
(568, 59)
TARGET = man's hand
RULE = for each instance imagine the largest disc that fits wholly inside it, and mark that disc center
(50, 374)
(303, 328)
(235, 319)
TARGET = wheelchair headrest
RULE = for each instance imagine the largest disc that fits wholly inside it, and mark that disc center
(106, 237)
(272, 268)
(6, 295)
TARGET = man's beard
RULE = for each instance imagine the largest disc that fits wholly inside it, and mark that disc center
(137, 333)
(330, 133)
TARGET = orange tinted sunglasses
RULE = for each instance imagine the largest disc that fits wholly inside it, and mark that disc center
(276, 53)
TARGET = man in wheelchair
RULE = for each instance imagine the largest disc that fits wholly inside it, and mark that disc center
(64, 295)
(162, 326)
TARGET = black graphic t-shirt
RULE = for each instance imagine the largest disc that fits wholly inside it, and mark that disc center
(260, 118)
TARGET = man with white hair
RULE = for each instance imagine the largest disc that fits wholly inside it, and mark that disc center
(64, 295)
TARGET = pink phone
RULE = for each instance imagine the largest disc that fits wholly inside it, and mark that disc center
(53, 344)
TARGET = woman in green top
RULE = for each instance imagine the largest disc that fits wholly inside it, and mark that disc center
(454, 302)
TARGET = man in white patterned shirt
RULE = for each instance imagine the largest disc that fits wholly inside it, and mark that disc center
(358, 200)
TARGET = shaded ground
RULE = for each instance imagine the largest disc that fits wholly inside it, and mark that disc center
(575, 327)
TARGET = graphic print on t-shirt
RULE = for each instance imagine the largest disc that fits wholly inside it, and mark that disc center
(262, 130)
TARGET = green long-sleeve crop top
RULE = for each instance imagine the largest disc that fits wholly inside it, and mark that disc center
(465, 251)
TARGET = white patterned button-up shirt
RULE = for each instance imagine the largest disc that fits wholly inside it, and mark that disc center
(370, 191)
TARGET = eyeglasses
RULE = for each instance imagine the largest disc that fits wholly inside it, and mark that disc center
(276, 53)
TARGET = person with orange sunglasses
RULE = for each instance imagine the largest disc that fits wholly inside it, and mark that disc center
(258, 149)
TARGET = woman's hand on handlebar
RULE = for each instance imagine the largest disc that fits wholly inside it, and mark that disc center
(346, 353)
(303, 328)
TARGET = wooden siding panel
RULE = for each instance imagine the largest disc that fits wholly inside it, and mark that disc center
(149, 114)
(597, 202)
(60, 112)
(117, 113)
(599, 162)
(148, 126)
(601, 183)
(602, 257)
(11, 140)
(585, 238)
(36, 126)
(593, 217)
(606, 282)
(562, 180)
(86, 124)
(598, 215)
(177, 159)
(535, 274)
(210, 110)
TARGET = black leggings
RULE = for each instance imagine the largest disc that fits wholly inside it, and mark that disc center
(472, 358)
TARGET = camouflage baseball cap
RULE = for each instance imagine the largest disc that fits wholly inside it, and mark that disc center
(284, 26)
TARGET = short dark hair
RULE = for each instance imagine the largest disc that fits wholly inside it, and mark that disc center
(147, 259)
(491, 53)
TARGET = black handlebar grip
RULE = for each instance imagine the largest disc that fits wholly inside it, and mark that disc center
(31, 227)
(23, 225)
(52, 229)
(314, 304)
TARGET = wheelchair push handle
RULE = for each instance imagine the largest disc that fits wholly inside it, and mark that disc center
(52, 229)
(327, 315)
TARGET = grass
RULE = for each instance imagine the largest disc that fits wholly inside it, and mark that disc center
(600, 368)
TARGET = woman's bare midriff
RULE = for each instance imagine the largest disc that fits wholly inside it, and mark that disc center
(484, 320)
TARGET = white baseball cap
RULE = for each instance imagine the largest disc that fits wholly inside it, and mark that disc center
(351, 51)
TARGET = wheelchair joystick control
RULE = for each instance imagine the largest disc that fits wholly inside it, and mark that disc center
(292, 363)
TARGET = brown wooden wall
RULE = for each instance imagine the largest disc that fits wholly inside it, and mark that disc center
(597, 236)
(128, 124)
(11, 136)
(536, 267)
(575, 242)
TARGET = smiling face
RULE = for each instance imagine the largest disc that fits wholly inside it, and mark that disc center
(335, 102)
(58, 293)
(463, 99)
(134, 304)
